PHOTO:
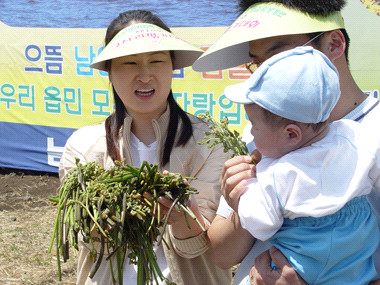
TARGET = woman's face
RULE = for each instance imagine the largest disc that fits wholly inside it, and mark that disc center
(143, 82)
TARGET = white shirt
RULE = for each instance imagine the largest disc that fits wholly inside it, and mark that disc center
(141, 152)
(370, 108)
(313, 181)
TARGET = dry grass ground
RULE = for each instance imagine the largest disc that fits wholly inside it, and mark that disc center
(26, 225)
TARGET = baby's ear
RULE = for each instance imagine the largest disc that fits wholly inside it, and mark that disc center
(293, 134)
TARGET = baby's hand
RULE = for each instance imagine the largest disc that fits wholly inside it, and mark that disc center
(234, 177)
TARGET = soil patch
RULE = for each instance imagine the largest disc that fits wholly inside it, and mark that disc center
(26, 226)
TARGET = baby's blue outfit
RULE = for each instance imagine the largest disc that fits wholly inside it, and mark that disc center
(339, 248)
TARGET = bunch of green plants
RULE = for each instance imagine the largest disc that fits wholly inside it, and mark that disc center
(220, 133)
(111, 207)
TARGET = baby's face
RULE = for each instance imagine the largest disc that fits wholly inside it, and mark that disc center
(268, 139)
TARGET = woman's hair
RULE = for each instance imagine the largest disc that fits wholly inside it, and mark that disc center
(313, 7)
(115, 121)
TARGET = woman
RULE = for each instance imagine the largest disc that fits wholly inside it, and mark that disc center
(148, 124)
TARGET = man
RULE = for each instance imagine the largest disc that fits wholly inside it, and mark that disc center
(264, 29)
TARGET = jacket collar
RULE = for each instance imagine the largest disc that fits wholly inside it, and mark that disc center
(160, 128)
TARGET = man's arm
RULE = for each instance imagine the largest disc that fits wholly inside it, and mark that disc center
(229, 242)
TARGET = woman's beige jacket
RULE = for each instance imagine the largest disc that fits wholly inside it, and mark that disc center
(188, 260)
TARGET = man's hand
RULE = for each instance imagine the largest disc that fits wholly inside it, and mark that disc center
(262, 273)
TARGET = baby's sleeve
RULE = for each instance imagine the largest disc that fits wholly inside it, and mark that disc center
(259, 210)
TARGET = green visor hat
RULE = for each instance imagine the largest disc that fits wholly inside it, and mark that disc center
(261, 20)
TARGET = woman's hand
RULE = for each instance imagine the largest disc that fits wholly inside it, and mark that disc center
(177, 218)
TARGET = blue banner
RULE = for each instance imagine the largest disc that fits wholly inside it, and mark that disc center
(32, 147)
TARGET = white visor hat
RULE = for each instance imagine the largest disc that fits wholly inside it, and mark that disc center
(142, 38)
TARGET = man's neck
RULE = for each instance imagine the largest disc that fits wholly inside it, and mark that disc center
(351, 96)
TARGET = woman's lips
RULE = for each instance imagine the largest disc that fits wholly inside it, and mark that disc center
(144, 92)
